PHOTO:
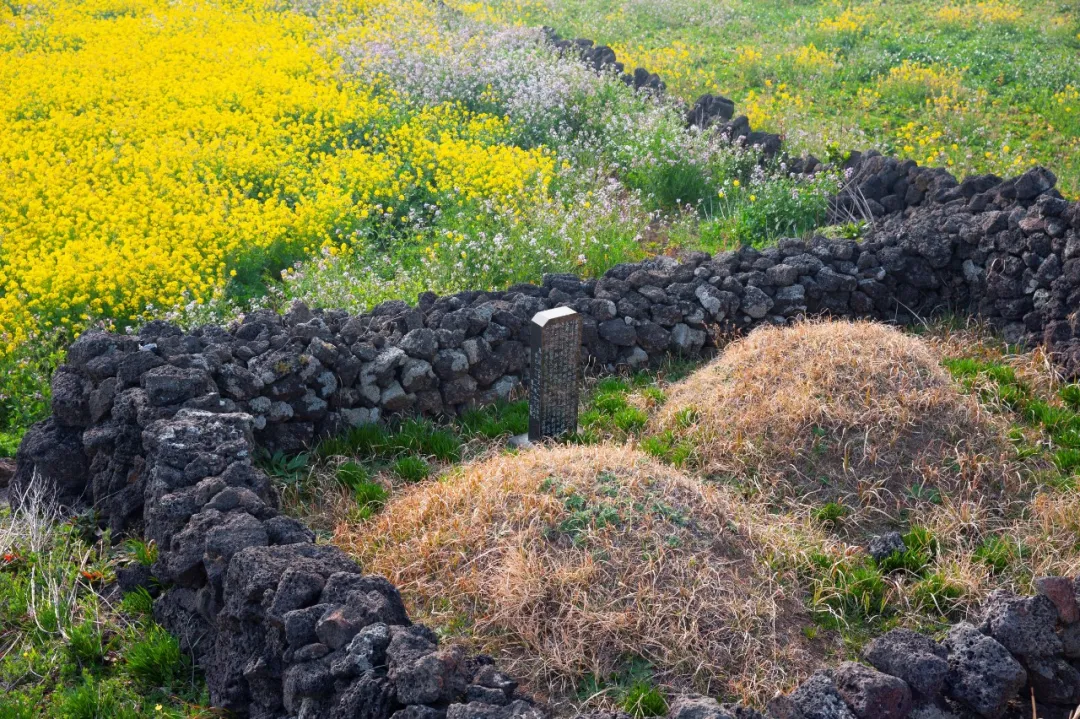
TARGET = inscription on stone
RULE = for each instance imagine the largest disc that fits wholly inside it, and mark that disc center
(555, 344)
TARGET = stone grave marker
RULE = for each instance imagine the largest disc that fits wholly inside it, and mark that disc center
(554, 374)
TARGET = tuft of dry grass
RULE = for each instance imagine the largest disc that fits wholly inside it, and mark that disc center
(857, 412)
(568, 562)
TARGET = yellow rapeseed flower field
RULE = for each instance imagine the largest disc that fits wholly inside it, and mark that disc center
(152, 150)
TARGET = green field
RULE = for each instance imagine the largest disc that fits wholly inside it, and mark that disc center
(974, 86)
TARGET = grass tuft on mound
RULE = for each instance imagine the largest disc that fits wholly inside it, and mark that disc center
(853, 413)
(579, 565)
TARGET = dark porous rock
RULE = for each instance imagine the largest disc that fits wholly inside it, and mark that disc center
(297, 589)
(300, 624)
(366, 652)
(170, 385)
(872, 694)
(51, 459)
(370, 697)
(697, 707)
(617, 332)
(983, 676)
(70, 398)
(1062, 592)
(755, 303)
(421, 343)
(1024, 625)
(419, 711)
(133, 576)
(286, 530)
(818, 698)
(420, 672)
(908, 655)
(1054, 681)
(517, 709)
(309, 679)
(486, 695)
(882, 546)
(339, 625)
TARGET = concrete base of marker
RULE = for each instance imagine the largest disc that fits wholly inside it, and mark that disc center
(521, 441)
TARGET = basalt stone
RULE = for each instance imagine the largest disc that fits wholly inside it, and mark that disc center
(882, 546)
(420, 672)
(1024, 625)
(1062, 591)
(818, 698)
(1054, 681)
(517, 709)
(983, 675)
(872, 694)
(55, 454)
(918, 660)
(697, 707)
(618, 333)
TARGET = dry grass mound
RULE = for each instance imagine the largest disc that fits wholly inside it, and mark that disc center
(856, 412)
(571, 562)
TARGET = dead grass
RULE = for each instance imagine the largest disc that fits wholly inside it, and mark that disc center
(855, 412)
(568, 562)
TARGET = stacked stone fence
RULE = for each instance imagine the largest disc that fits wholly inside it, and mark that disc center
(875, 185)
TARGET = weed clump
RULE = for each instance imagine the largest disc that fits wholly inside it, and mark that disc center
(566, 561)
(847, 413)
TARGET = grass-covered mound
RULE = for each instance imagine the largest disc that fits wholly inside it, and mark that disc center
(856, 412)
(580, 566)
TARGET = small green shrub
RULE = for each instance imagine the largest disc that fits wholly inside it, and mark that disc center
(155, 659)
(145, 553)
(1067, 460)
(86, 644)
(92, 699)
(610, 402)
(830, 513)
(1070, 394)
(630, 419)
(352, 475)
(288, 470)
(137, 601)
(423, 437)
(370, 497)
(998, 553)
(937, 593)
(411, 468)
(644, 700)
(855, 592)
(495, 421)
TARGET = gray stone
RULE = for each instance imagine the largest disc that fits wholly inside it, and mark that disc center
(982, 674)
(818, 698)
(872, 694)
(882, 546)
(755, 303)
(918, 660)
(694, 706)
(421, 343)
(1024, 625)
(395, 399)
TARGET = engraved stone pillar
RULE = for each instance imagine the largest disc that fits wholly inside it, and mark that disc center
(555, 353)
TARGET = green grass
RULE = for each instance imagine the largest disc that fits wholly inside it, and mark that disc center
(67, 652)
(411, 469)
(991, 93)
